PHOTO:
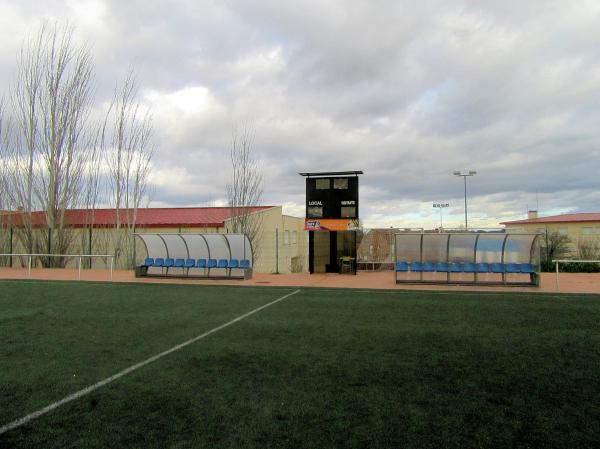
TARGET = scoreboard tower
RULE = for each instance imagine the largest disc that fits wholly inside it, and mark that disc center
(331, 220)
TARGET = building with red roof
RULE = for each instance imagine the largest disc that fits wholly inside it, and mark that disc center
(582, 230)
(151, 217)
(533, 219)
(280, 246)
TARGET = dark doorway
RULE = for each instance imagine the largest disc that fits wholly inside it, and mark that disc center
(332, 251)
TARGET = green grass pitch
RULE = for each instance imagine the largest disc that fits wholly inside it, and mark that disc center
(320, 369)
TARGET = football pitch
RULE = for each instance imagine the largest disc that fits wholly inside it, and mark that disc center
(178, 366)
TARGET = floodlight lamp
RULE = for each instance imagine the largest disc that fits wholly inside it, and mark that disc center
(456, 173)
(472, 172)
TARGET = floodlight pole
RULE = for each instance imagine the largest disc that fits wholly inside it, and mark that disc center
(464, 176)
(441, 207)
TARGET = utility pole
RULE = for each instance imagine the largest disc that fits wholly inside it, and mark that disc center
(441, 207)
(464, 176)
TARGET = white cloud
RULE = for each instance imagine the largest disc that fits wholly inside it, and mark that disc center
(88, 14)
(406, 91)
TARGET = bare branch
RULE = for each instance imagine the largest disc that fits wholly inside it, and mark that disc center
(129, 160)
(246, 188)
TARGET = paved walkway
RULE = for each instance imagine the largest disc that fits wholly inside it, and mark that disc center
(568, 282)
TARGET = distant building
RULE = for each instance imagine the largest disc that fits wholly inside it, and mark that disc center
(581, 229)
(281, 246)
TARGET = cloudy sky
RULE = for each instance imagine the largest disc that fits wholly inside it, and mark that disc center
(407, 91)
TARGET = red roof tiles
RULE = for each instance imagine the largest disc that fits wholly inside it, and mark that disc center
(564, 218)
(170, 217)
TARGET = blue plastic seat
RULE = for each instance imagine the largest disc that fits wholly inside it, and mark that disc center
(201, 263)
(469, 267)
(416, 267)
(428, 267)
(527, 268)
(513, 268)
(212, 263)
(456, 267)
(190, 263)
(159, 262)
(483, 267)
(179, 263)
(169, 262)
(245, 264)
(497, 268)
(148, 262)
(232, 264)
(222, 263)
(402, 266)
(442, 267)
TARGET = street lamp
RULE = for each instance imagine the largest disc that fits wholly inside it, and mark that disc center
(441, 207)
(464, 175)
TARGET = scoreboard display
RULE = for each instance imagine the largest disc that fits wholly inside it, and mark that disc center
(332, 196)
(332, 220)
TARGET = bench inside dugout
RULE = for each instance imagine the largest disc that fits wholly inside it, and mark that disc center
(467, 258)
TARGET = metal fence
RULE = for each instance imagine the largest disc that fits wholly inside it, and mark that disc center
(567, 261)
(31, 259)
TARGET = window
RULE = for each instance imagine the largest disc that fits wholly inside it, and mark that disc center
(315, 212)
(286, 237)
(348, 212)
(586, 231)
(322, 183)
(340, 183)
(563, 231)
(294, 237)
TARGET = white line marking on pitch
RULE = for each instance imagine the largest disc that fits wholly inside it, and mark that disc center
(25, 419)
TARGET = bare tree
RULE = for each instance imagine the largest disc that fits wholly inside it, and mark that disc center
(20, 157)
(3, 157)
(588, 249)
(554, 246)
(56, 159)
(50, 152)
(128, 133)
(246, 188)
(93, 190)
(4, 224)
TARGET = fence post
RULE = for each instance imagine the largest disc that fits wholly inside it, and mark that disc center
(276, 250)
(50, 260)
(557, 289)
(10, 246)
(90, 247)
(29, 270)
(134, 257)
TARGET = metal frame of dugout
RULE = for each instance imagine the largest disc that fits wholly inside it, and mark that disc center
(467, 258)
(214, 256)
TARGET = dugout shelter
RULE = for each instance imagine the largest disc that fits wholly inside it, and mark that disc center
(195, 255)
(467, 258)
